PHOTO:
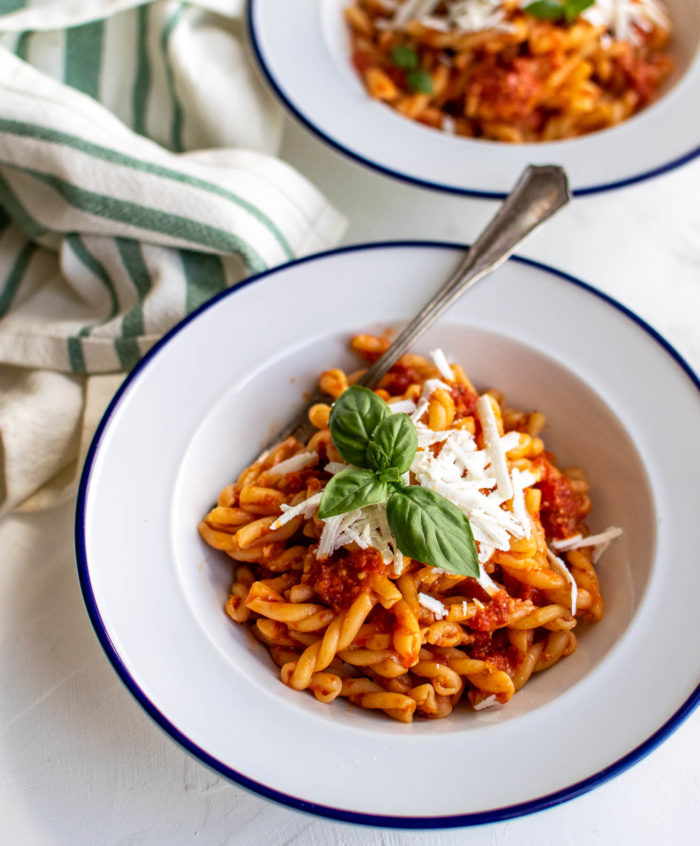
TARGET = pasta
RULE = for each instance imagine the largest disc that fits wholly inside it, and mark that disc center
(497, 70)
(345, 614)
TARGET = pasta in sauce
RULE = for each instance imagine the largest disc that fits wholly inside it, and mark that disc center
(387, 632)
(491, 69)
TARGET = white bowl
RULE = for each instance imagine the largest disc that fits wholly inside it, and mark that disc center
(619, 402)
(303, 50)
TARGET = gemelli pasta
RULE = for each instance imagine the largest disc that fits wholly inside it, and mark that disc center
(504, 70)
(345, 613)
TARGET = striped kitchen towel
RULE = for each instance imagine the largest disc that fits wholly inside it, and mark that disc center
(137, 180)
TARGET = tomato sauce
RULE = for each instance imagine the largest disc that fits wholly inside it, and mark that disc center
(562, 509)
(339, 579)
(493, 615)
(399, 378)
(507, 93)
(362, 60)
(298, 481)
(464, 399)
(496, 651)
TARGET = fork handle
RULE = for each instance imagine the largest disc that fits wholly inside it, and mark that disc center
(540, 191)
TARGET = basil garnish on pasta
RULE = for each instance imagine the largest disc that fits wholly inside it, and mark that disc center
(351, 489)
(425, 524)
(393, 444)
(354, 418)
(406, 58)
(553, 10)
(382, 446)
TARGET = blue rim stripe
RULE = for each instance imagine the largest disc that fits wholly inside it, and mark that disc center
(424, 183)
(386, 821)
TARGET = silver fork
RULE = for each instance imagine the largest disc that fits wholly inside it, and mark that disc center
(540, 191)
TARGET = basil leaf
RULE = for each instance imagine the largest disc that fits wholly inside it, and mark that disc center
(545, 10)
(405, 57)
(573, 8)
(430, 529)
(351, 489)
(355, 415)
(391, 474)
(393, 444)
(420, 81)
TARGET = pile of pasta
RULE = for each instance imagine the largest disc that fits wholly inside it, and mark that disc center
(524, 80)
(409, 640)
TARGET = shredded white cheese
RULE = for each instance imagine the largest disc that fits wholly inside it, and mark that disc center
(494, 447)
(560, 567)
(578, 541)
(433, 605)
(289, 512)
(402, 406)
(440, 360)
(623, 19)
(367, 527)
(486, 703)
(458, 15)
(294, 464)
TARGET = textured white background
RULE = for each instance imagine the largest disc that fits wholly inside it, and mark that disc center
(81, 763)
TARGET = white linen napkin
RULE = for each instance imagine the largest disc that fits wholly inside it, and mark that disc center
(136, 181)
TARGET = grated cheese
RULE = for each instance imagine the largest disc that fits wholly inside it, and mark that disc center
(560, 567)
(494, 447)
(289, 512)
(433, 605)
(486, 703)
(294, 464)
(402, 406)
(623, 19)
(578, 541)
(459, 15)
(442, 364)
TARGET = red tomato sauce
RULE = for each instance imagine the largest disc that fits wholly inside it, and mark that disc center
(464, 399)
(295, 482)
(496, 650)
(508, 93)
(339, 579)
(562, 509)
(494, 614)
(399, 378)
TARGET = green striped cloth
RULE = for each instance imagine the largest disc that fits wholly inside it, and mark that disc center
(137, 180)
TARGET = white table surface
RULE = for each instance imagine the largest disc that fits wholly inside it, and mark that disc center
(81, 763)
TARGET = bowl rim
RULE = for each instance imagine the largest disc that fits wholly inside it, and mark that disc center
(369, 819)
(306, 121)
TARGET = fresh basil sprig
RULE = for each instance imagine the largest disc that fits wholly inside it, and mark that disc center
(381, 446)
(553, 10)
(406, 58)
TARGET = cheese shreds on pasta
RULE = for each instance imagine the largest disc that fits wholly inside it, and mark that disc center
(488, 702)
(295, 463)
(561, 568)
(578, 541)
(433, 605)
(345, 614)
(442, 364)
